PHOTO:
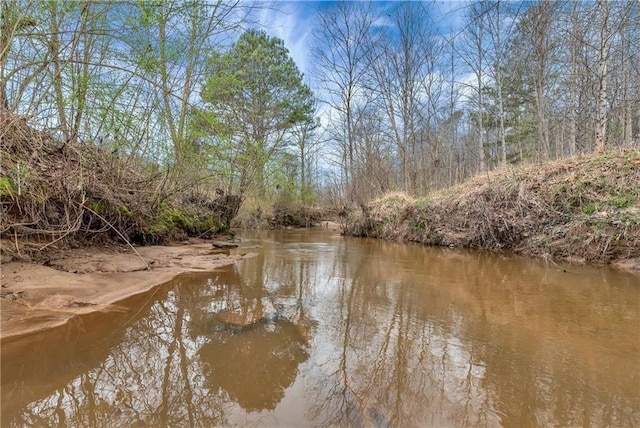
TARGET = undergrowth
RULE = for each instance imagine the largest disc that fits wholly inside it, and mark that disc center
(54, 194)
(585, 208)
(280, 214)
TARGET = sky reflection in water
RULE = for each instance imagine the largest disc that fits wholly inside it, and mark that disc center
(323, 330)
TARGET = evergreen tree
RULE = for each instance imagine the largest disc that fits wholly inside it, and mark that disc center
(257, 96)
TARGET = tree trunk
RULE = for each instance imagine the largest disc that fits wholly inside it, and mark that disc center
(6, 33)
(480, 103)
(603, 54)
(54, 50)
(573, 85)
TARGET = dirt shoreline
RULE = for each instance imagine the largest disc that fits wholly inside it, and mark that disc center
(37, 297)
(584, 209)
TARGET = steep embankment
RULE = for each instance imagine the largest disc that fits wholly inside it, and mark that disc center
(61, 201)
(582, 209)
(54, 195)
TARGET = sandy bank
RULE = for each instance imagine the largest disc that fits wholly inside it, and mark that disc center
(37, 297)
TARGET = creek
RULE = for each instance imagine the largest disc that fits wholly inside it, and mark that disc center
(322, 330)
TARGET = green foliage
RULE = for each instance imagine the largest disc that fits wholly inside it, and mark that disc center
(255, 95)
(622, 201)
(589, 209)
(308, 195)
(171, 217)
(179, 219)
(6, 187)
(519, 114)
(95, 205)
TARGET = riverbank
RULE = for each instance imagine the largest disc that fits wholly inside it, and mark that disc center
(58, 194)
(74, 282)
(72, 212)
(585, 210)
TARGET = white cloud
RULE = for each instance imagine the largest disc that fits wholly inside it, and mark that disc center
(291, 22)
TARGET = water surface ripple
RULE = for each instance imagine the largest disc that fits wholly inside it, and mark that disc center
(321, 330)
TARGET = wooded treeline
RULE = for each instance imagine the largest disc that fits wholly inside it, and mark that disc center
(404, 99)
(416, 108)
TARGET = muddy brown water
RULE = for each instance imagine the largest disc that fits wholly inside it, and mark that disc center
(321, 330)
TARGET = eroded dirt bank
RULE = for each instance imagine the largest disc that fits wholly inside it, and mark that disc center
(59, 195)
(585, 209)
(74, 282)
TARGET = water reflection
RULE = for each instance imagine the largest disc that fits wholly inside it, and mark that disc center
(256, 365)
(322, 330)
(159, 367)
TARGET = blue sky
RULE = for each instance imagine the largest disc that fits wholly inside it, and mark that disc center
(294, 22)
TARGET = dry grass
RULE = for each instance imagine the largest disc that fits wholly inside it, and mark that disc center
(584, 208)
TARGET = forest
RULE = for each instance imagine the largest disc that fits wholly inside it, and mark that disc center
(197, 97)
(146, 145)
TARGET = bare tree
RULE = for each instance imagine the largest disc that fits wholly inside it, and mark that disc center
(602, 65)
(474, 59)
(13, 20)
(307, 143)
(497, 34)
(341, 72)
(574, 36)
(110, 72)
(399, 66)
(176, 38)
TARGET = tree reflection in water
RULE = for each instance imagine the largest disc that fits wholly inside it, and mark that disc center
(148, 377)
(164, 369)
(389, 364)
(255, 365)
(320, 330)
